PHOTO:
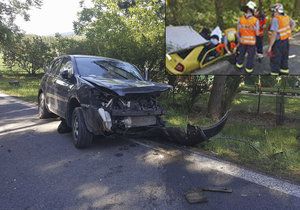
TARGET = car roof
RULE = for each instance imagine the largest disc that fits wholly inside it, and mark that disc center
(93, 56)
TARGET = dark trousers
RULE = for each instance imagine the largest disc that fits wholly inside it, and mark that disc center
(259, 44)
(241, 52)
(280, 57)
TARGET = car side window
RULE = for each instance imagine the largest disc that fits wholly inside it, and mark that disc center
(66, 66)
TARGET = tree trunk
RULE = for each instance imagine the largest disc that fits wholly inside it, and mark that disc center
(215, 102)
(224, 88)
(243, 2)
(295, 12)
(216, 95)
(231, 89)
(260, 7)
(219, 13)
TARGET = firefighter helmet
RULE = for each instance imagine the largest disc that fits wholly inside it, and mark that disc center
(251, 5)
(277, 8)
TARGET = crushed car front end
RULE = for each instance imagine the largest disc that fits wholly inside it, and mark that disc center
(120, 114)
(108, 111)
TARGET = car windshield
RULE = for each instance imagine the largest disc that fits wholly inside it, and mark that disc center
(107, 69)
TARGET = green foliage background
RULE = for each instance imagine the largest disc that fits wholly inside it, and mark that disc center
(202, 13)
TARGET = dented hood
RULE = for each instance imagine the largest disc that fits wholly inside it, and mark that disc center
(124, 87)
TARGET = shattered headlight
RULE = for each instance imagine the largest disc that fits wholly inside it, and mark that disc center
(99, 97)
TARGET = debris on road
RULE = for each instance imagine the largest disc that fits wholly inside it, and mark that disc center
(196, 197)
(218, 189)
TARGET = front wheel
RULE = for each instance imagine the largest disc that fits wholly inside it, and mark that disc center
(43, 112)
(82, 138)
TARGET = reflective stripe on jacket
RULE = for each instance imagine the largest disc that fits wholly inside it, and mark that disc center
(247, 30)
(284, 29)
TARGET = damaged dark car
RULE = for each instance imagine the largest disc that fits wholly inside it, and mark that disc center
(102, 96)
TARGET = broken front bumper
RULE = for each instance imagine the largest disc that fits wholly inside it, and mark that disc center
(101, 122)
(194, 134)
(190, 136)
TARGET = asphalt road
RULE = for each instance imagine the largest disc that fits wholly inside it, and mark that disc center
(41, 169)
(263, 68)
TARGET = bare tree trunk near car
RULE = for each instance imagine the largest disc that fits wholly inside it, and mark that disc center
(224, 88)
(295, 12)
(219, 13)
(216, 97)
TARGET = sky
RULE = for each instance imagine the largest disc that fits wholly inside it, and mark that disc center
(55, 16)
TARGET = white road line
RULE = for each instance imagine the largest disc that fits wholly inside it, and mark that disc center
(218, 165)
(204, 162)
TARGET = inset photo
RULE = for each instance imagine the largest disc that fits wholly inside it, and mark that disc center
(227, 37)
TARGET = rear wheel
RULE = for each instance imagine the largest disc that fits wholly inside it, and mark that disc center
(43, 112)
(82, 138)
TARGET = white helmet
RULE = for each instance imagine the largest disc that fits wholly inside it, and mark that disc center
(251, 5)
(277, 8)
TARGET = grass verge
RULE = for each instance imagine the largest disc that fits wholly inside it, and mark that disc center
(27, 90)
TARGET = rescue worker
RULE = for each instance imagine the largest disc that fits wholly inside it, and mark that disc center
(248, 29)
(280, 31)
(230, 40)
(259, 39)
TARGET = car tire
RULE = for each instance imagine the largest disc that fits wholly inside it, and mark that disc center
(43, 112)
(82, 138)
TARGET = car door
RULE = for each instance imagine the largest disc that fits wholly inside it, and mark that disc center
(49, 89)
(63, 85)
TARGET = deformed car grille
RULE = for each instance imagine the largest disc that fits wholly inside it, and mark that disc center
(130, 122)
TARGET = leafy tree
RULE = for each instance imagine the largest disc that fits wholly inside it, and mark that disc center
(70, 45)
(30, 53)
(134, 32)
(9, 10)
(190, 88)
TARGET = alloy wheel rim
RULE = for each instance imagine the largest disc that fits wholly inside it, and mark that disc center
(76, 128)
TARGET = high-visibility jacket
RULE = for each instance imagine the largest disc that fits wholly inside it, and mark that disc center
(220, 48)
(262, 24)
(284, 29)
(247, 30)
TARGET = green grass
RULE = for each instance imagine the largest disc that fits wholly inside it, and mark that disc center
(270, 89)
(268, 104)
(272, 150)
(27, 90)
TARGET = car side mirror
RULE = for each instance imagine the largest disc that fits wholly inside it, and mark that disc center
(65, 74)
